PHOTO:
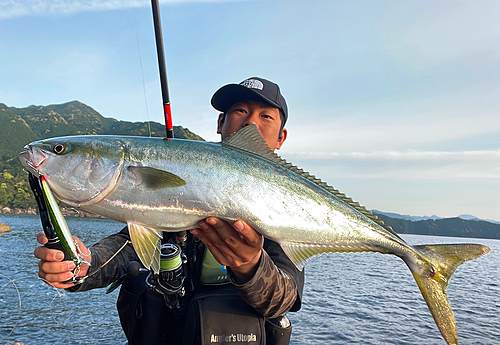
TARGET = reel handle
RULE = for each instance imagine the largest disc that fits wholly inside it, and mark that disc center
(134, 269)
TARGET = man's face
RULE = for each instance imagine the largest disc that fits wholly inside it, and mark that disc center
(266, 117)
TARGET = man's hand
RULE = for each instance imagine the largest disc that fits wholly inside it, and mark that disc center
(238, 246)
(52, 269)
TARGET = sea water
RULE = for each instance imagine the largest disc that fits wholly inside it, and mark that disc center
(362, 298)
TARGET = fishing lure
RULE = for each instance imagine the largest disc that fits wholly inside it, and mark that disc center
(61, 227)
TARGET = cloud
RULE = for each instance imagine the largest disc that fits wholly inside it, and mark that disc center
(446, 33)
(460, 121)
(400, 155)
(446, 183)
(390, 166)
(15, 8)
(401, 135)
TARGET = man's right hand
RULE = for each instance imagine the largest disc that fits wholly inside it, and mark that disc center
(52, 269)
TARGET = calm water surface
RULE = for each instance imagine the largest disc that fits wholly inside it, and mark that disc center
(363, 298)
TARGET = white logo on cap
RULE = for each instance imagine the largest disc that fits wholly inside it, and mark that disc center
(252, 84)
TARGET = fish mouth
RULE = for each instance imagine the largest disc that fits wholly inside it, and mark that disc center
(31, 159)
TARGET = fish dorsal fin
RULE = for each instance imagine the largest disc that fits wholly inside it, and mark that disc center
(146, 241)
(249, 139)
(156, 179)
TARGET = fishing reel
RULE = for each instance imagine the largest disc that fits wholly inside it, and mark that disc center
(169, 281)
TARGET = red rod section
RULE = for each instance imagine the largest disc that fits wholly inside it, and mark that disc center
(168, 120)
(163, 70)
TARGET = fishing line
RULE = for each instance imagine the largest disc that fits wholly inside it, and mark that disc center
(53, 299)
(56, 317)
(107, 262)
(11, 281)
(115, 254)
(142, 70)
(58, 294)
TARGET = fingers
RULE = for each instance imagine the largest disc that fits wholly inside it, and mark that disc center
(209, 238)
(41, 238)
(231, 235)
(222, 234)
(55, 271)
(249, 235)
(57, 284)
(46, 254)
(83, 250)
(52, 269)
(231, 245)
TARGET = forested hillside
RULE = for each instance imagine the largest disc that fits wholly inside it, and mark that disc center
(444, 227)
(20, 126)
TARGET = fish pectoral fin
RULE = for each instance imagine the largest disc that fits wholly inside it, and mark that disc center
(156, 179)
(146, 242)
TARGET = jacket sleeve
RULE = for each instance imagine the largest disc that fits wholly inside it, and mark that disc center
(277, 285)
(102, 273)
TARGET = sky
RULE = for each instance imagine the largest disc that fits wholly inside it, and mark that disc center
(394, 103)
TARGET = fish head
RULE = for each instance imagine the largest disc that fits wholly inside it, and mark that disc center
(80, 170)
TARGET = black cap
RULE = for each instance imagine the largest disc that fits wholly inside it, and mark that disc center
(252, 88)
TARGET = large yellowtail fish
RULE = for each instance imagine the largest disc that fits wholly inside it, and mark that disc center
(157, 185)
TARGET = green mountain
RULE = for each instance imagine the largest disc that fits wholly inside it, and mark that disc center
(457, 227)
(20, 126)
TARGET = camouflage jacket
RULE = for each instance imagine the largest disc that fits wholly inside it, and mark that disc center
(275, 289)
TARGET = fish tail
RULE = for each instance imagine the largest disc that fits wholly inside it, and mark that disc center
(433, 273)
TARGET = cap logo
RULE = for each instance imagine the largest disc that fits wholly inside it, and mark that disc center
(252, 84)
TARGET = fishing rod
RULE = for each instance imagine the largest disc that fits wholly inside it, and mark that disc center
(163, 69)
(134, 269)
(171, 280)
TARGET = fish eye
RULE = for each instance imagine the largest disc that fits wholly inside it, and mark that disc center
(60, 148)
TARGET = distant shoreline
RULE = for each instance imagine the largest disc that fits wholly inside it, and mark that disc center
(66, 211)
(440, 227)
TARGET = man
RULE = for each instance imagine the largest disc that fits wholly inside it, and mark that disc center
(246, 305)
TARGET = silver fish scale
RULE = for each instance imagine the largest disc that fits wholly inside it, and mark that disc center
(221, 181)
(225, 183)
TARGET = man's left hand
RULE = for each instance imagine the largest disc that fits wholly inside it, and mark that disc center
(237, 246)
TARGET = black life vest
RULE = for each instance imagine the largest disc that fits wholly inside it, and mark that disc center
(211, 312)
